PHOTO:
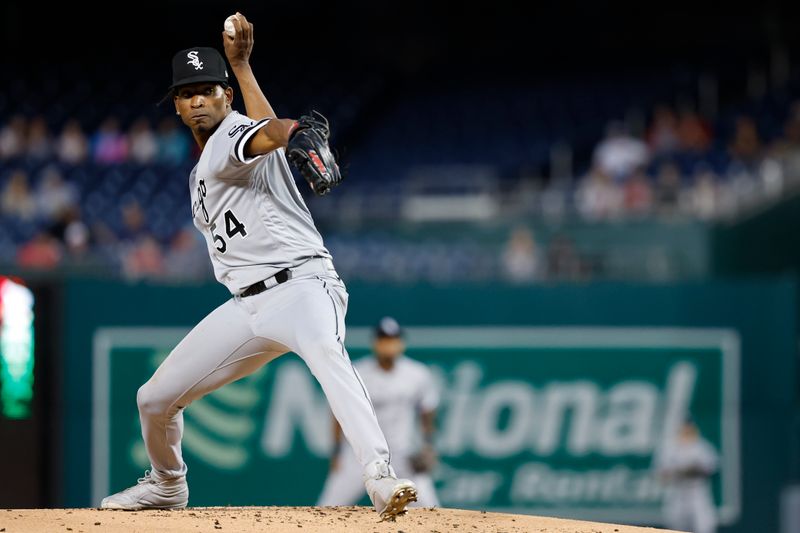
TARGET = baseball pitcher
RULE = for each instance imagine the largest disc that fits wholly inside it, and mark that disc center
(264, 247)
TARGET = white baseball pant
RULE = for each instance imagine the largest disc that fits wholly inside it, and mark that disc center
(305, 315)
(690, 508)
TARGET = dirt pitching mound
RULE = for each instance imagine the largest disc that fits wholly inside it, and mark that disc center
(290, 519)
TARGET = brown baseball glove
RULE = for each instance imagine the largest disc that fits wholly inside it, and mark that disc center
(309, 151)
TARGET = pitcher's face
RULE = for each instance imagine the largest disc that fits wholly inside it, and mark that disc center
(202, 106)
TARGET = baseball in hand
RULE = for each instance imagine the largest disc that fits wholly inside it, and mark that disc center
(230, 29)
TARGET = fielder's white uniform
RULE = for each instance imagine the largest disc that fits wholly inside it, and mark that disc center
(399, 395)
(688, 503)
(256, 224)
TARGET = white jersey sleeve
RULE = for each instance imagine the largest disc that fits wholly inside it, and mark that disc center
(227, 159)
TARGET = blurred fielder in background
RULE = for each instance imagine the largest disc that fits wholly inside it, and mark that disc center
(686, 466)
(404, 394)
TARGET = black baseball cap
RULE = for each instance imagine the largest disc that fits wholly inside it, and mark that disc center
(388, 328)
(198, 65)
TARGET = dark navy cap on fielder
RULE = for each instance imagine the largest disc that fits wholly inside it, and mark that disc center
(198, 65)
(388, 327)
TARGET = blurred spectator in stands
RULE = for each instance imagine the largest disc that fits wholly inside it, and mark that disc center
(103, 237)
(72, 146)
(703, 197)
(54, 196)
(619, 153)
(142, 142)
(39, 144)
(173, 144)
(786, 150)
(43, 252)
(133, 222)
(13, 137)
(598, 197)
(72, 232)
(662, 138)
(77, 239)
(552, 201)
(637, 195)
(187, 257)
(745, 146)
(109, 144)
(17, 200)
(694, 134)
(742, 186)
(144, 259)
(563, 261)
(520, 260)
(668, 189)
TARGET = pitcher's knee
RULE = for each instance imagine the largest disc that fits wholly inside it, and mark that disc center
(150, 402)
(327, 345)
(324, 354)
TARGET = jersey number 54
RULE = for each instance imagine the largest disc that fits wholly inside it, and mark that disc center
(232, 228)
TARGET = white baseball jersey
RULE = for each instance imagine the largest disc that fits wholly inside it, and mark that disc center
(685, 455)
(688, 502)
(398, 396)
(249, 209)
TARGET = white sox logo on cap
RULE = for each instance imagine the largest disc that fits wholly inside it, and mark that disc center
(198, 64)
(194, 60)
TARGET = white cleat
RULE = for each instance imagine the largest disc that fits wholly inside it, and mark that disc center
(390, 495)
(150, 492)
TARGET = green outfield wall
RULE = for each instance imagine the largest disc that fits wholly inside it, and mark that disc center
(555, 399)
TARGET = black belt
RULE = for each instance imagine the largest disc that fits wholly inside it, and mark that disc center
(256, 288)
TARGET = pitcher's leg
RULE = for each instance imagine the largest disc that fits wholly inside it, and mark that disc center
(220, 349)
(348, 399)
(307, 315)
